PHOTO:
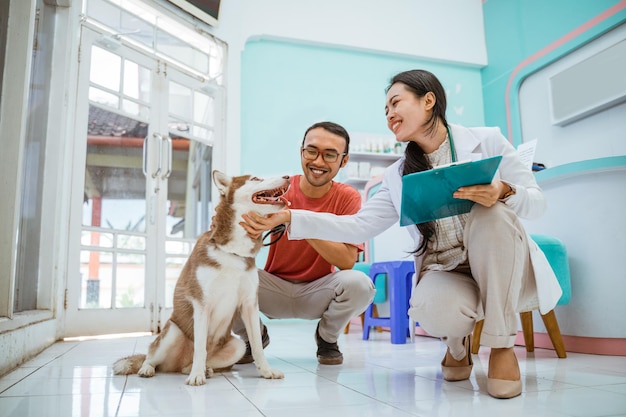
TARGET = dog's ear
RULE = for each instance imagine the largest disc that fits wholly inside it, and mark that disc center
(221, 180)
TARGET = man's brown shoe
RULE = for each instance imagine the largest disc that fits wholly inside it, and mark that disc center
(327, 353)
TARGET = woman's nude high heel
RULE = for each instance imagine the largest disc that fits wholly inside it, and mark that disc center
(458, 373)
(503, 388)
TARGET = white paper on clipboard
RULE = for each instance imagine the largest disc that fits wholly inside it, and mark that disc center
(526, 152)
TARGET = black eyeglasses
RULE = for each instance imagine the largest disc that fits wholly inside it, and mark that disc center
(328, 156)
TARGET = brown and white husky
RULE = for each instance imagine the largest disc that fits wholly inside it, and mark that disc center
(218, 282)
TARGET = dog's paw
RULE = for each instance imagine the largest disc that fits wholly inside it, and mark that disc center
(208, 372)
(269, 373)
(196, 379)
(146, 371)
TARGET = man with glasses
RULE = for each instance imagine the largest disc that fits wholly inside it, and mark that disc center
(313, 279)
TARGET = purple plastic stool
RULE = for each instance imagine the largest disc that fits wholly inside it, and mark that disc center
(399, 277)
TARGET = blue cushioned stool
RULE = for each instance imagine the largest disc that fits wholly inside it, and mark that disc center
(556, 254)
(399, 277)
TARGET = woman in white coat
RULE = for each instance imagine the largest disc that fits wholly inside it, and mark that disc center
(473, 266)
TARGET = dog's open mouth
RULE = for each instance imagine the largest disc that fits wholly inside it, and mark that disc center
(273, 196)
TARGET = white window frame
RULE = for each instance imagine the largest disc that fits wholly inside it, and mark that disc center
(13, 111)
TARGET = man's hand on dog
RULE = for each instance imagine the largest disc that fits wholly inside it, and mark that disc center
(256, 224)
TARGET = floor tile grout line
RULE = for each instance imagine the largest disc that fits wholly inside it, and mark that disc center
(119, 403)
(244, 395)
(36, 368)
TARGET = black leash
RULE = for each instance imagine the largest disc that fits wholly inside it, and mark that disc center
(278, 230)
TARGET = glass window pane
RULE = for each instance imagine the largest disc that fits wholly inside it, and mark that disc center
(175, 247)
(102, 97)
(135, 109)
(115, 214)
(130, 107)
(29, 293)
(104, 12)
(182, 51)
(89, 238)
(137, 81)
(105, 68)
(124, 21)
(141, 32)
(180, 100)
(202, 133)
(176, 213)
(130, 282)
(127, 214)
(173, 267)
(131, 242)
(115, 187)
(96, 275)
(216, 63)
(203, 109)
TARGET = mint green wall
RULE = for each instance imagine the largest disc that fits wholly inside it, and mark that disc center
(525, 35)
(286, 87)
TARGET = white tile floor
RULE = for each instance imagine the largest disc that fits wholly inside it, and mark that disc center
(376, 379)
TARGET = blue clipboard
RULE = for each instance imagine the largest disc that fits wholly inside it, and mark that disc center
(427, 195)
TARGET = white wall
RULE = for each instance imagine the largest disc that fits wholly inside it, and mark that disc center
(595, 248)
(443, 30)
(596, 136)
(585, 209)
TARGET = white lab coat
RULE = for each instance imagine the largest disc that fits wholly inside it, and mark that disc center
(383, 209)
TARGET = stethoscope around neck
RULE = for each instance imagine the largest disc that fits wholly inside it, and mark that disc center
(452, 151)
(275, 234)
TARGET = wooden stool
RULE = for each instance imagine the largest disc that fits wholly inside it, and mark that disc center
(549, 320)
(556, 254)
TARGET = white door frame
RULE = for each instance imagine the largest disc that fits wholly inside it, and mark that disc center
(100, 321)
(152, 315)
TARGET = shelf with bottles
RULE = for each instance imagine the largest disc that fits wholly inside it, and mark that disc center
(370, 154)
(363, 166)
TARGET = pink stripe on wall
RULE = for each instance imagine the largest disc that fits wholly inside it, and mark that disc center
(559, 42)
(580, 344)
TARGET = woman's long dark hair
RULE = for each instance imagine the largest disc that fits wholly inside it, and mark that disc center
(421, 82)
